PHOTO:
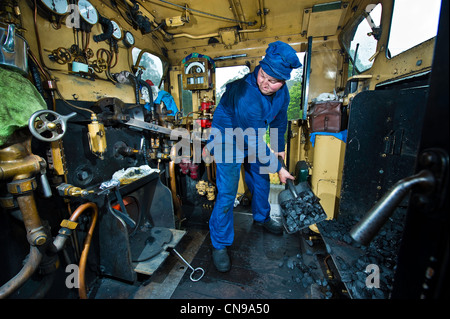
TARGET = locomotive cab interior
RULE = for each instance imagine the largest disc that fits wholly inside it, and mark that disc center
(107, 105)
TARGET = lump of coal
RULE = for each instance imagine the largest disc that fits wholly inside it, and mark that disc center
(301, 212)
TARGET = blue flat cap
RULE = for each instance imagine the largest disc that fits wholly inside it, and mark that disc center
(279, 60)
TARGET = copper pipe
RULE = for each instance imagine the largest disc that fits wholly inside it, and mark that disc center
(209, 169)
(195, 37)
(17, 162)
(32, 262)
(87, 244)
(173, 185)
(35, 230)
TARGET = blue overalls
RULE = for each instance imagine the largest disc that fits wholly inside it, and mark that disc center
(243, 108)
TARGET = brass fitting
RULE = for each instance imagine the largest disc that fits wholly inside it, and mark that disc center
(210, 192)
(97, 137)
(201, 187)
(154, 142)
(18, 164)
(23, 189)
(8, 202)
(72, 191)
(16, 161)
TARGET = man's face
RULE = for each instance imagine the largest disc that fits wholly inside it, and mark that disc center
(267, 84)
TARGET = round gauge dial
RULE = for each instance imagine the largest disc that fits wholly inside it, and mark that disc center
(56, 6)
(88, 11)
(128, 39)
(117, 31)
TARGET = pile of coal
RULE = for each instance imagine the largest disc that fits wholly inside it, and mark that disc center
(303, 211)
(382, 252)
(307, 275)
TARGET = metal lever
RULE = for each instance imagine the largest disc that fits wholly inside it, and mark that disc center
(198, 269)
(122, 215)
(46, 190)
(370, 224)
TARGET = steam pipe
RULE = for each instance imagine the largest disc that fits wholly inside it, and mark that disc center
(370, 224)
(35, 230)
(64, 234)
(32, 262)
(195, 37)
(173, 185)
(17, 162)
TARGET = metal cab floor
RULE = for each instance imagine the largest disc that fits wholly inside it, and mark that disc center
(264, 266)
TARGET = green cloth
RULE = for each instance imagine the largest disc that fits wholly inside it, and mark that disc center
(19, 99)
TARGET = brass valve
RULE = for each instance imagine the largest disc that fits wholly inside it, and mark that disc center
(97, 137)
(72, 191)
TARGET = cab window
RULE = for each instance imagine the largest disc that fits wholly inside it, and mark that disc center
(226, 75)
(360, 40)
(151, 66)
(413, 22)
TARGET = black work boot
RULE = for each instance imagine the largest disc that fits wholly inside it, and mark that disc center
(271, 226)
(221, 259)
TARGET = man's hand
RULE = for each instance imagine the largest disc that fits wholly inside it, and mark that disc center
(284, 175)
(280, 154)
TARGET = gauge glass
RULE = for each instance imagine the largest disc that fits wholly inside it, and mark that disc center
(117, 32)
(57, 6)
(88, 11)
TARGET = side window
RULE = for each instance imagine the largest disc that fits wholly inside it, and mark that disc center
(360, 41)
(228, 74)
(413, 22)
(151, 66)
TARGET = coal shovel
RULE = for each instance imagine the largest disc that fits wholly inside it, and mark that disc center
(300, 208)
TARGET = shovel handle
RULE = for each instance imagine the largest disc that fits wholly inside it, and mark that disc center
(289, 182)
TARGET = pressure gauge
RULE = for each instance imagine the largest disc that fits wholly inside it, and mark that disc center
(128, 39)
(88, 11)
(59, 7)
(117, 31)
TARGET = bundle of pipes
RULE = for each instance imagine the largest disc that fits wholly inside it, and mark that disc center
(19, 166)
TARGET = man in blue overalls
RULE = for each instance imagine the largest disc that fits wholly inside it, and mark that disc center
(245, 111)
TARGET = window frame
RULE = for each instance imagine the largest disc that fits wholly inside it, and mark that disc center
(349, 32)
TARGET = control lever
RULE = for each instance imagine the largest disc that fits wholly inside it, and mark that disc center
(46, 190)
(121, 214)
(370, 224)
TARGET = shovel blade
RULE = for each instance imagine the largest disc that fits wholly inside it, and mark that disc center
(299, 213)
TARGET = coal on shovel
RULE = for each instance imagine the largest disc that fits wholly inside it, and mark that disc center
(300, 208)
